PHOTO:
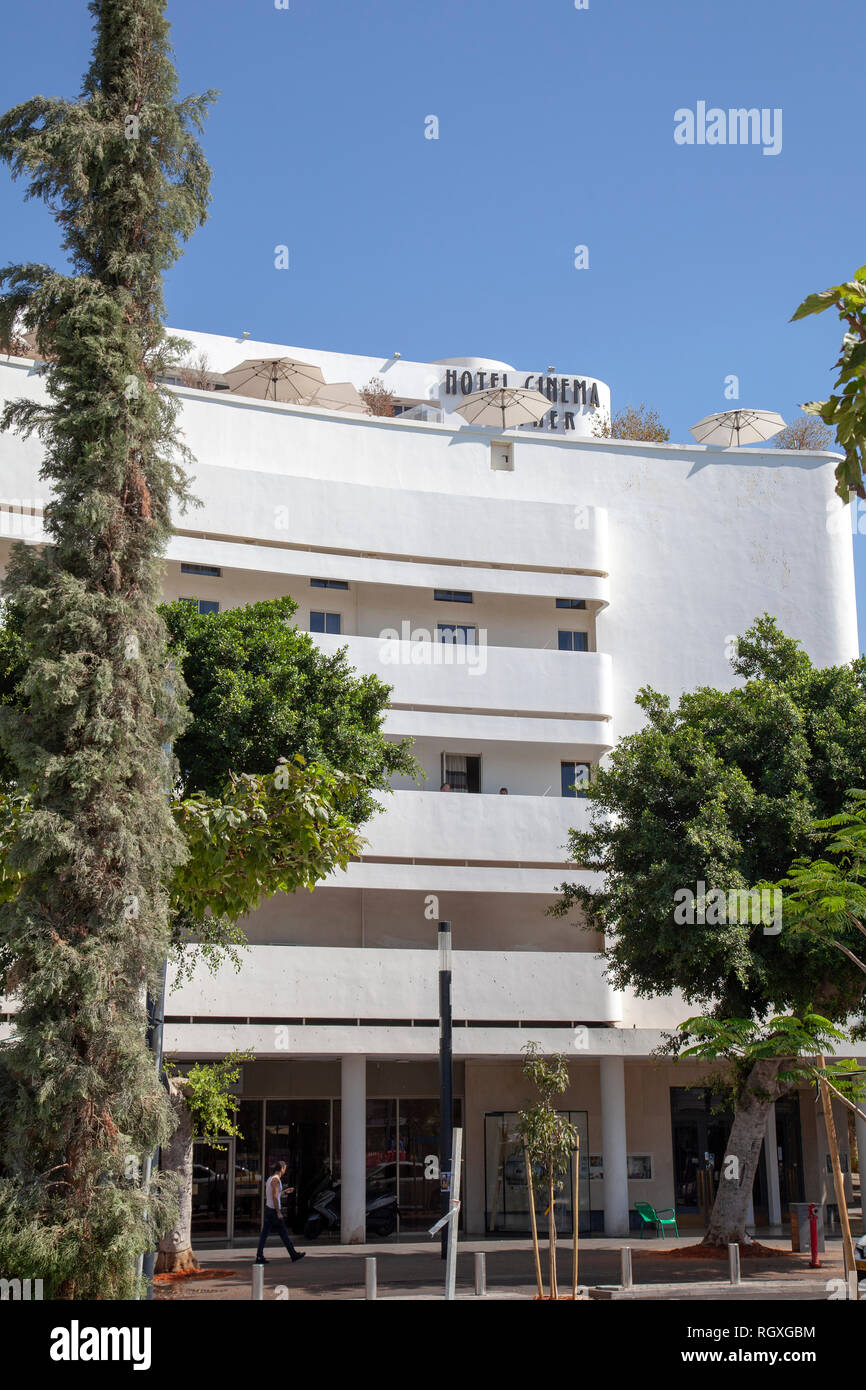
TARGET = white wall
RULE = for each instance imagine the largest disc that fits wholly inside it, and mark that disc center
(675, 547)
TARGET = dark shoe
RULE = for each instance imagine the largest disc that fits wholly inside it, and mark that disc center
(299, 1255)
(261, 1262)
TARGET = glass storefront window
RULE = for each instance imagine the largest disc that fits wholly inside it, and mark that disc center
(248, 1169)
(507, 1194)
(210, 1185)
(299, 1132)
(402, 1137)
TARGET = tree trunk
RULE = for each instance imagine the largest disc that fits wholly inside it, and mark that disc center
(175, 1251)
(740, 1162)
(551, 1186)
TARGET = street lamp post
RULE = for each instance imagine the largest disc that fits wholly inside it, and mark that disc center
(446, 1078)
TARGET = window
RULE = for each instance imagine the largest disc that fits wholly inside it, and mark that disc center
(210, 571)
(501, 458)
(573, 641)
(203, 605)
(324, 622)
(461, 773)
(461, 634)
(452, 596)
(329, 583)
(575, 777)
(571, 603)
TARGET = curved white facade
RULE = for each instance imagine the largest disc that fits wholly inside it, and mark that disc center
(658, 555)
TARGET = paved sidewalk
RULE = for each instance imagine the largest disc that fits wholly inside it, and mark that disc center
(415, 1270)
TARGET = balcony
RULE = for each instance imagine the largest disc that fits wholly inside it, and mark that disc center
(458, 827)
(334, 987)
(483, 679)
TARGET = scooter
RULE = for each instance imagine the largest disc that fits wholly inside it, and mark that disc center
(324, 1214)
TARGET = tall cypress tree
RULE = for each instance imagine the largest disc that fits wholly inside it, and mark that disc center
(123, 173)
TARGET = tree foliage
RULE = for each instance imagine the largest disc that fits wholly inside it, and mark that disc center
(825, 895)
(209, 1097)
(126, 179)
(845, 410)
(261, 690)
(632, 422)
(806, 432)
(722, 790)
(378, 399)
(266, 833)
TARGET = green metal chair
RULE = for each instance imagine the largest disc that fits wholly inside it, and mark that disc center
(656, 1220)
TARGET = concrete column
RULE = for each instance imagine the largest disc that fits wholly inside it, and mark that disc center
(614, 1146)
(771, 1163)
(353, 1150)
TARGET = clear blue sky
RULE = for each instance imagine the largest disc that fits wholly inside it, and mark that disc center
(555, 129)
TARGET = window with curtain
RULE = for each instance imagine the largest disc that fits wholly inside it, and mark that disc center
(461, 772)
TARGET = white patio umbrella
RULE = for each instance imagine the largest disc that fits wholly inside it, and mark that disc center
(337, 395)
(504, 406)
(738, 427)
(275, 379)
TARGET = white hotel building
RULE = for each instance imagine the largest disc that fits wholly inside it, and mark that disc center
(580, 569)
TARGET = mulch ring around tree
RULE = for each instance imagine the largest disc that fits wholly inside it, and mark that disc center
(182, 1274)
(750, 1251)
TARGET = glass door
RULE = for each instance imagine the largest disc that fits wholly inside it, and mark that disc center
(299, 1132)
(789, 1153)
(249, 1173)
(212, 1179)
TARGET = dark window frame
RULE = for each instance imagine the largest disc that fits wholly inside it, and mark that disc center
(453, 596)
(326, 618)
(203, 571)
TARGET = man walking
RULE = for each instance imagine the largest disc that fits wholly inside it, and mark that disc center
(274, 1217)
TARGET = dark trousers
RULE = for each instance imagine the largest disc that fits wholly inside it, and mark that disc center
(275, 1222)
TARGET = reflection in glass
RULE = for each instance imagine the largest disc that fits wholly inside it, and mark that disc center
(209, 1191)
(507, 1195)
(299, 1133)
(248, 1169)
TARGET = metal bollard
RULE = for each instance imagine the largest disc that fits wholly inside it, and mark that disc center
(734, 1263)
(625, 1267)
(480, 1274)
(370, 1277)
(258, 1283)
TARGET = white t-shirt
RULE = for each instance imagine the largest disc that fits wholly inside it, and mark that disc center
(274, 1178)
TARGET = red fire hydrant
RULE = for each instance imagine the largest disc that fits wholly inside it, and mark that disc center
(814, 1262)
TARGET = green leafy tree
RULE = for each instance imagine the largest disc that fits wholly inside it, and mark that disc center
(845, 411)
(261, 690)
(122, 171)
(765, 1060)
(722, 791)
(825, 894)
(549, 1139)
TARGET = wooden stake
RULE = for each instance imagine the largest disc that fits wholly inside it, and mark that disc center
(838, 1180)
(534, 1223)
(575, 1213)
(551, 1229)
